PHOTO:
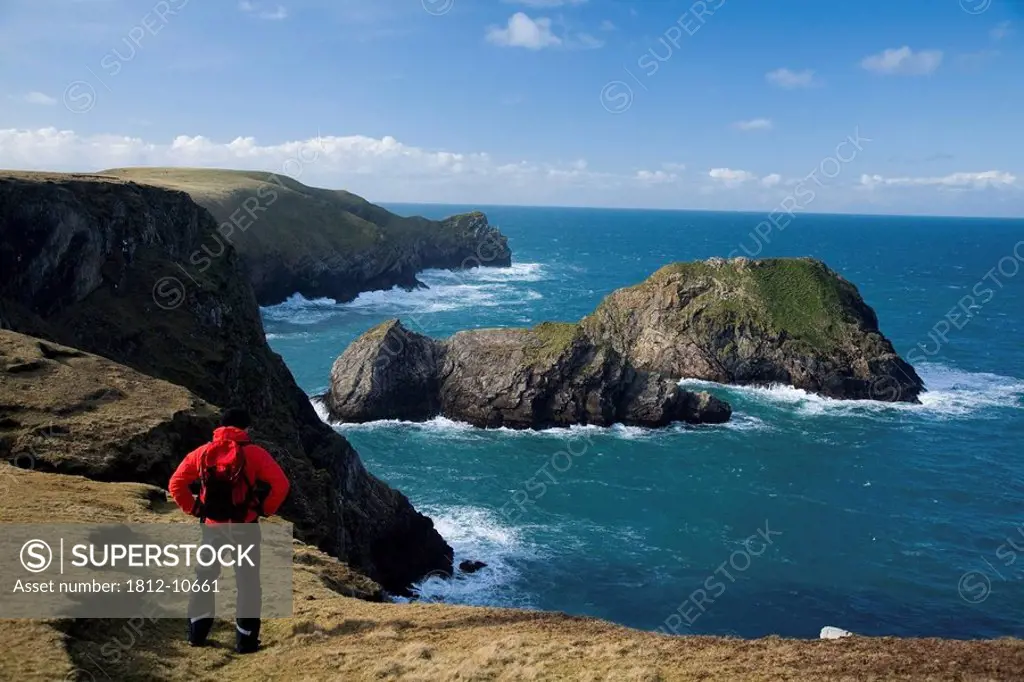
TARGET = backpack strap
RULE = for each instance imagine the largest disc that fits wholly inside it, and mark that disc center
(253, 500)
(242, 474)
(202, 486)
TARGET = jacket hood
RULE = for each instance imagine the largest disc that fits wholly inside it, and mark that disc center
(230, 433)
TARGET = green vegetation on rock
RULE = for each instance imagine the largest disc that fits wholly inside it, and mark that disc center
(761, 322)
(553, 339)
(799, 298)
(328, 220)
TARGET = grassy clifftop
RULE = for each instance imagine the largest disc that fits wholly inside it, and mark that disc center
(338, 631)
(323, 242)
(322, 218)
(326, 217)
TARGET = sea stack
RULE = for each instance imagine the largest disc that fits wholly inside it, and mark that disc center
(778, 321)
(756, 322)
(550, 375)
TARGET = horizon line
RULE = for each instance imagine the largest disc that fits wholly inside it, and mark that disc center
(701, 210)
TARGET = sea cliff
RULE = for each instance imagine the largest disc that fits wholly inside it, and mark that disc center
(91, 264)
(320, 243)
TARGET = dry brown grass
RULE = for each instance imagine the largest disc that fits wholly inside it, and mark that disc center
(331, 637)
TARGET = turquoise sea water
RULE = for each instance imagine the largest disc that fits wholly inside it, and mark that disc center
(882, 519)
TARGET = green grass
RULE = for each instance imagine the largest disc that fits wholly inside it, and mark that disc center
(299, 222)
(380, 331)
(803, 299)
(552, 339)
(798, 297)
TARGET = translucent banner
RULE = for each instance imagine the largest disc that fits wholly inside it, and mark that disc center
(151, 570)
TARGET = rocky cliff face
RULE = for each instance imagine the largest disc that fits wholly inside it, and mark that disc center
(323, 243)
(551, 375)
(789, 321)
(104, 266)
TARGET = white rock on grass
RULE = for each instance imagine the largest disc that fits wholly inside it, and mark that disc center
(829, 632)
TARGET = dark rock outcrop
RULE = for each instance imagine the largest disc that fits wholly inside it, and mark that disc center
(551, 375)
(323, 243)
(102, 265)
(470, 566)
(787, 320)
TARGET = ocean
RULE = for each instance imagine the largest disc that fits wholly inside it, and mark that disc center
(802, 512)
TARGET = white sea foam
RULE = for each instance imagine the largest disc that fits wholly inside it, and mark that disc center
(287, 335)
(321, 410)
(456, 290)
(438, 425)
(517, 272)
(445, 427)
(951, 393)
(481, 534)
(745, 422)
(301, 310)
(955, 392)
(446, 290)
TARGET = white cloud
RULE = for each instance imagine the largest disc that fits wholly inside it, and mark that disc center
(386, 169)
(608, 25)
(658, 177)
(992, 178)
(1001, 30)
(784, 78)
(753, 124)
(35, 97)
(730, 177)
(903, 61)
(276, 14)
(522, 31)
(361, 163)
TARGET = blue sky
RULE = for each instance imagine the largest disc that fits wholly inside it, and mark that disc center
(722, 104)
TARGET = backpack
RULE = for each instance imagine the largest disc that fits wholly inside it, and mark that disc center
(226, 493)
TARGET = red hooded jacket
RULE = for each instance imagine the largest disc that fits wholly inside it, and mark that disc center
(259, 466)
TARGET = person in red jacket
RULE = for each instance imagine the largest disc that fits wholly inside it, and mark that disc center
(238, 482)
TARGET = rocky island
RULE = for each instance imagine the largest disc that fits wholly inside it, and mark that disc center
(791, 321)
(787, 321)
(550, 375)
(320, 243)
